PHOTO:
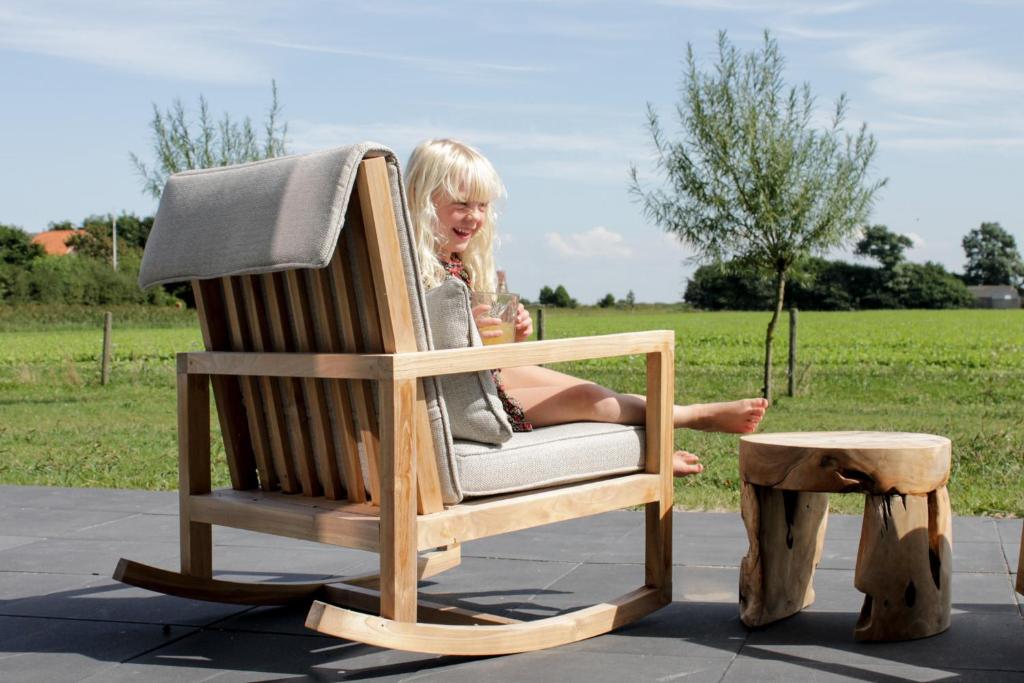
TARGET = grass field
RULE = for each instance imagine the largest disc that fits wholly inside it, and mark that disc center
(956, 373)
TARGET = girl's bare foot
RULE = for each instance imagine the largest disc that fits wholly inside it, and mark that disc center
(685, 464)
(733, 417)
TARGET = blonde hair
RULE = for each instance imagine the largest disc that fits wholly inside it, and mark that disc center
(447, 168)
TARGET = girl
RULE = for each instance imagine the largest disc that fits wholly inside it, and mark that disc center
(451, 188)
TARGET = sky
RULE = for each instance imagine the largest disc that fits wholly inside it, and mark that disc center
(553, 92)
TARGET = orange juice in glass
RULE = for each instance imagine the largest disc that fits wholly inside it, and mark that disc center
(503, 307)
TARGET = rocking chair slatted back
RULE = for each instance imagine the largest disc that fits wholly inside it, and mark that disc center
(317, 436)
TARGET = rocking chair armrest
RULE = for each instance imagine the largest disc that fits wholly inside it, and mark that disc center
(413, 365)
(452, 361)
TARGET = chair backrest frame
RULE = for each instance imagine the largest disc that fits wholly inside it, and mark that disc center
(315, 436)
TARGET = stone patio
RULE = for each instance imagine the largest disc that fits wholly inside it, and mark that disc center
(63, 619)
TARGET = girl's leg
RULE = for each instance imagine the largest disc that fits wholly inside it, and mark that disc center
(550, 397)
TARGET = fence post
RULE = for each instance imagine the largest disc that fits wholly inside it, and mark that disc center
(108, 320)
(540, 324)
(791, 376)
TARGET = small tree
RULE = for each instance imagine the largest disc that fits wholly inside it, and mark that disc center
(180, 145)
(992, 257)
(557, 297)
(562, 298)
(630, 299)
(16, 246)
(884, 246)
(749, 178)
(607, 301)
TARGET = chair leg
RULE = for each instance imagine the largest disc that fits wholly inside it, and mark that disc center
(196, 548)
(193, 470)
(398, 558)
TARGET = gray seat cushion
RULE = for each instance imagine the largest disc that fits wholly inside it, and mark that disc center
(548, 456)
(471, 399)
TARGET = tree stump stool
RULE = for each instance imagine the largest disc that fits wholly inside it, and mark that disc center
(904, 562)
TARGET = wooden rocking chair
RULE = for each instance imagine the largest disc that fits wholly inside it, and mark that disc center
(329, 413)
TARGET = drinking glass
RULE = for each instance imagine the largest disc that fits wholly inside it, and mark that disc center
(503, 306)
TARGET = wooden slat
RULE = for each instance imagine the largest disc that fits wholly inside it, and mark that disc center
(370, 340)
(273, 364)
(194, 471)
(226, 391)
(294, 407)
(428, 480)
(311, 519)
(445, 639)
(395, 309)
(252, 398)
(499, 515)
(328, 333)
(259, 336)
(365, 426)
(397, 501)
(659, 448)
(320, 437)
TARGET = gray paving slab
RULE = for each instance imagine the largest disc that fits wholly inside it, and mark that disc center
(118, 500)
(73, 556)
(227, 655)
(516, 586)
(975, 530)
(597, 667)
(978, 557)
(19, 520)
(65, 596)
(14, 541)
(987, 641)
(1009, 529)
(55, 650)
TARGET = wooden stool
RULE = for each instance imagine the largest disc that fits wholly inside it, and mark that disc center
(904, 563)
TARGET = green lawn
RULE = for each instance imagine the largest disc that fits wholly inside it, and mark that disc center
(956, 373)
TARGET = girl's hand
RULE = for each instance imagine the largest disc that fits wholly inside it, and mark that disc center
(487, 326)
(524, 324)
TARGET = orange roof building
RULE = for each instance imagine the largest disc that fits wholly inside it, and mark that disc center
(53, 241)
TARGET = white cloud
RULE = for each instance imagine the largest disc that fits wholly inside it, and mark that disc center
(599, 242)
(915, 238)
(456, 67)
(308, 135)
(195, 43)
(944, 144)
(795, 7)
(912, 67)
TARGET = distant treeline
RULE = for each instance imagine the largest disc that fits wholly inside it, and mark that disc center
(822, 285)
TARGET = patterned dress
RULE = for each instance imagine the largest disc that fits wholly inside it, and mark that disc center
(514, 411)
